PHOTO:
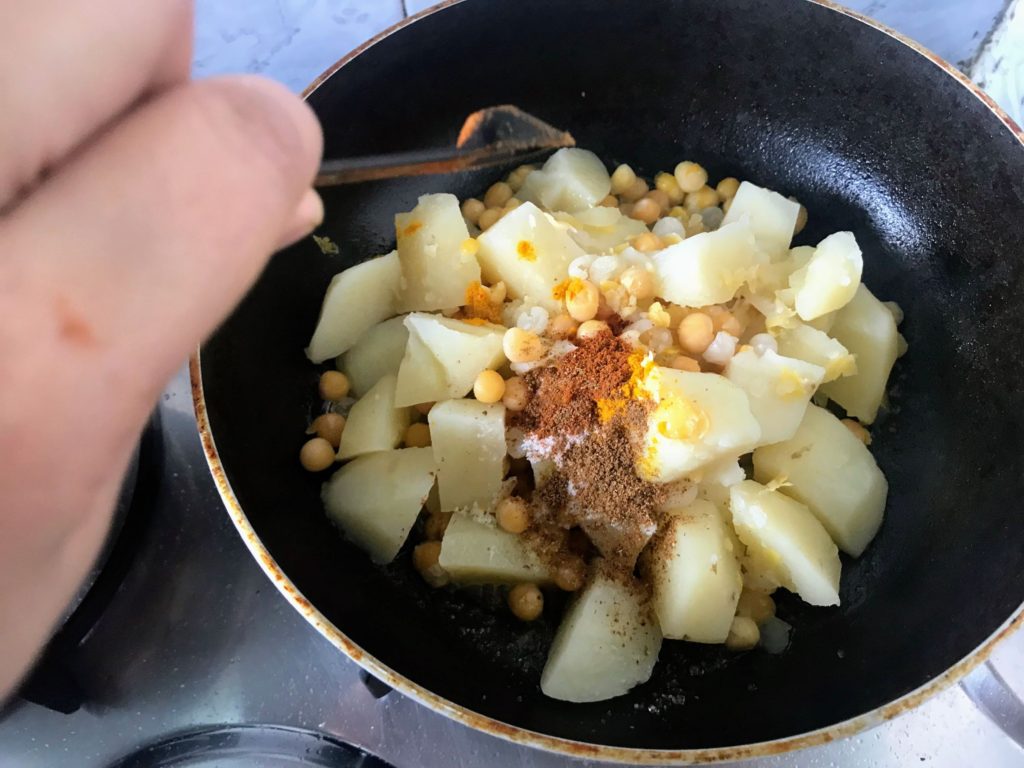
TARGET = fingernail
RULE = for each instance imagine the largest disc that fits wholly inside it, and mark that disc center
(308, 216)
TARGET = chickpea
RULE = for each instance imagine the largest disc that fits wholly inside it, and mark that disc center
(725, 320)
(858, 430)
(417, 436)
(489, 387)
(727, 187)
(562, 327)
(489, 218)
(570, 575)
(329, 426)
(755, 605)
(743, 634)
(517, 394)
(638, 282)
(316, 455)
(436, 525)
(522, 346)
(512, 204)
(333, 386)
(527, 602)
(678, 212)
(684, 363)
(497, 195)
(592, 328)
(517, 178)
(583, 301)
(634, 192)
(727, 205)
(471, 210)
(646, 210)
(690, 176)
(661, 198)
(611, 201)
(705, 197)
(425, 559)
(423, 408)
(648, 242)
(667, 183)
(622, 179)
(801, 221)
(696, 331)
(513, 515)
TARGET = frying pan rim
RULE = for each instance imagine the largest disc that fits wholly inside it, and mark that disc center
(521, 735)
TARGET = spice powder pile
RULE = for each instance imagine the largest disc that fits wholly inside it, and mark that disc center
(587, 415)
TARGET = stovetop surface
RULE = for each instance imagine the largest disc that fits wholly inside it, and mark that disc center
(198, 654)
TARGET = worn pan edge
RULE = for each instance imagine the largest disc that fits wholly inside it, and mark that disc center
(531, 738)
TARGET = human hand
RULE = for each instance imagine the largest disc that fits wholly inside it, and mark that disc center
(136, 207)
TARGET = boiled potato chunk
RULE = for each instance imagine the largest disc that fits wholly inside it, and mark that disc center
(778, 389)
(771, 216)
(699, 418)
(436, 271)
(707, 268)
(833, 473)
(866, 327)
(378, 353)
(570, 180)
(376, 498)
(807, 343)
(468, 438)
(693, 570)
(607, 643)
(831, 277)
(783, 532)
(421, 379)
(474, 552)
(529, 253)
(374, 423)
(462, 349)
(356, 300)
(600, 229)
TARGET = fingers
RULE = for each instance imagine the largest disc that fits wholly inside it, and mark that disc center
(73, 65)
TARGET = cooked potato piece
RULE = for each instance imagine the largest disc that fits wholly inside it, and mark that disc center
(572, 179)
(473, 552)
(356, 300)
(462, 349)
(805, 342)
(831, 277)
(377, 353)
(774, 276)
(707, 268)
(421, 379)
(436, 271)
(833, 473)
(866, 327)
(699, 418)
(598, 230)
(771, 216)
(374, 423)
(778, 389)
(468, 438)
(375, 499)
(784, 533)
(529, 253)
(607, 643)
(695, 575)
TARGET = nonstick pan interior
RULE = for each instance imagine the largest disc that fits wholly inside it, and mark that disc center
(871, 136)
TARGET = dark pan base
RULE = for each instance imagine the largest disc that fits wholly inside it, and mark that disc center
(872, 137)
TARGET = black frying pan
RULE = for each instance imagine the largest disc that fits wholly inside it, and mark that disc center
(872, 136)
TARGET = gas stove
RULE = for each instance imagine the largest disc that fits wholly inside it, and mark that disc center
(181, 652)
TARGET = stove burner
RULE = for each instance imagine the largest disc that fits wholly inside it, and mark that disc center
(249, 746)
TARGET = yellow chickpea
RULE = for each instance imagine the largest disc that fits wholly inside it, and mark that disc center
(684, 363)
(471, 210)
(611, 201)
(570, 575)
(425, 559)
(517, 394)
(526, 602)
(333, 386)
(661, 198)
(690, 176)
(801, 221)
(423, 408)
(592, 328)
(638, 282)
(489, 387)
(316, 455)
(512, 514)
(518, 176)
(858, 430)
(705, 197)
(743, 634)
(582, 301)
(489, 218)
(622, 179)
(329, 426)
(755, 605)
(696, 332)
(497, 195)
(634, 192)
(522, 346)
(417, 436)
(562, 327)
(646, 210)
(648, 242)
(436, 525)
(727, 187)
(667, 183)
